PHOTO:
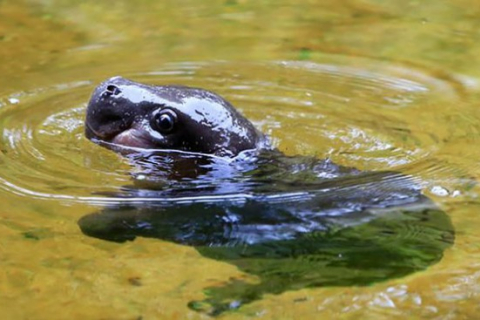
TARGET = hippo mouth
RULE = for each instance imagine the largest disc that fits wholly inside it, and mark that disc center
(132, 138)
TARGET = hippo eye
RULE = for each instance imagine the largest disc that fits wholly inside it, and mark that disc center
(164, 121)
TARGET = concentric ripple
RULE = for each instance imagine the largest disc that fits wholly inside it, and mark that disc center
(359, 113)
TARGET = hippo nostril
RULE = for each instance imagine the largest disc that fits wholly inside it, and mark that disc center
(112, 90)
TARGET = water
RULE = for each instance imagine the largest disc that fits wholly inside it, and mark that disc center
(374, 85)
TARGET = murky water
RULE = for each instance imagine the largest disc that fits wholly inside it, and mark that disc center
(374, 85)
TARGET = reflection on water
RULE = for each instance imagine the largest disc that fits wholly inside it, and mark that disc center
(380, 86)
(293, 222)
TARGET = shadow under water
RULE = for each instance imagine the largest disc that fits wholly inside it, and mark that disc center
(294, 222)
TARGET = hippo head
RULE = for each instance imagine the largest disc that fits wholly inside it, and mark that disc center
(129, 114)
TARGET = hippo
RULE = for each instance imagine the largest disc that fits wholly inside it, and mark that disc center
(206, 177)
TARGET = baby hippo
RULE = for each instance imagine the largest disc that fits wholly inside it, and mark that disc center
(126, 113)
(210, 180)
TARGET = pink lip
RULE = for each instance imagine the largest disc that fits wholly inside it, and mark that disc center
(131, 138)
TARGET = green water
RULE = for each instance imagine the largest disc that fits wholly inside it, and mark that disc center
(372, 84)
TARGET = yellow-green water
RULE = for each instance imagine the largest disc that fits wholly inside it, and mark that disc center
(371, 84)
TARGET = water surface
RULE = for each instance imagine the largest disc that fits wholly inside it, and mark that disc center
(374, 85)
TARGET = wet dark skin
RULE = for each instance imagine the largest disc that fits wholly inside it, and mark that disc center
(210, 180)
(131, 114)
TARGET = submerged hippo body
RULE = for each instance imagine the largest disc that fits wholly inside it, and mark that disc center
(207, 178)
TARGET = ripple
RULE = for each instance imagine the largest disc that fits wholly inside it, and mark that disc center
(359, 113)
